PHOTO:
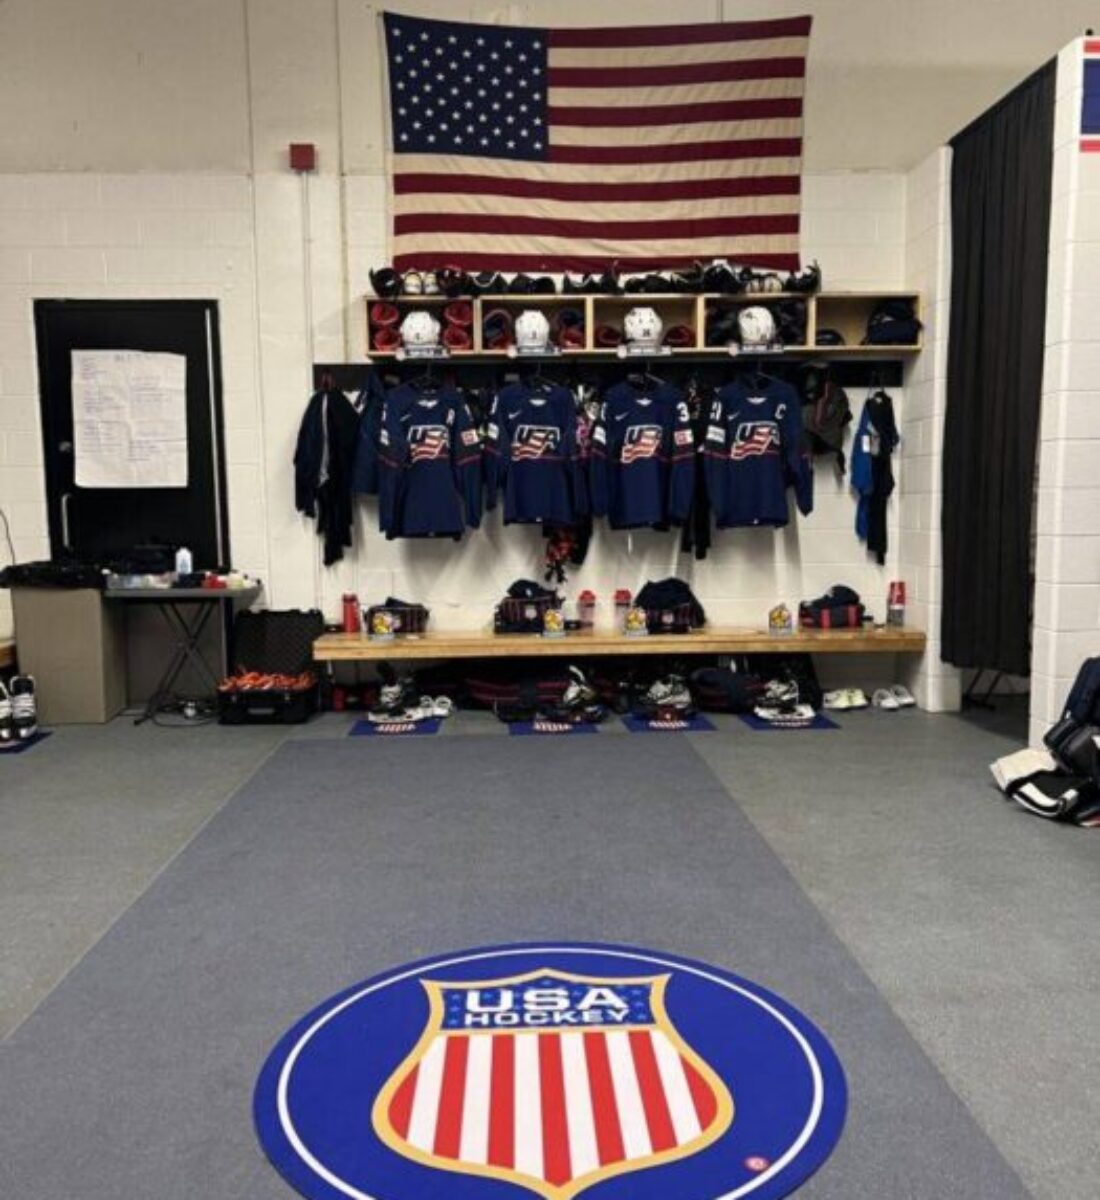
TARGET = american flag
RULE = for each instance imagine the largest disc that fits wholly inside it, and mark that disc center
(553, 1110)
(524, 149)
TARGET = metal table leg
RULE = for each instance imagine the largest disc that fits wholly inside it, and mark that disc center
(187, 635)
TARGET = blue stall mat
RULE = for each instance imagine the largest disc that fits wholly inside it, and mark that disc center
(758, 723)
(696, 724)
(24, 743)
(395, 728)
(544, 728)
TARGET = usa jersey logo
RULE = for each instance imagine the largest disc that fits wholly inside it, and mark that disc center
(427, 442)
(523, 1072)
(755, 438)
(534, 441)
(641, 441)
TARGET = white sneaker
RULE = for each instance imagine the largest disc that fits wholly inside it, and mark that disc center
(838, 701)
(7, 729)
(857, 697)
(885, 699)
(24, 706)
(903, 696)
(671, 692)
(796, 716)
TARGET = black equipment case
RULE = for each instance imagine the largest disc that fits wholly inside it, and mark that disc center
(279, 643)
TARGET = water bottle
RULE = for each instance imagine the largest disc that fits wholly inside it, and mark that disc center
(184, 562)
(895, 603)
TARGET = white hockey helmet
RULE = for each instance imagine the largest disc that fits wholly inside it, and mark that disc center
(643, 327)
(532, 330)
(420, 328)
(756, 326)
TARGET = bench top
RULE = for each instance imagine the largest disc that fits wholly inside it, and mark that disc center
(353, 647)
(7, 653)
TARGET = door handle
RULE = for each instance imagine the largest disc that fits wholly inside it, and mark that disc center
(65, 498)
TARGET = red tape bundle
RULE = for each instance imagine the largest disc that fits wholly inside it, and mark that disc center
(457, 338)
(680, 336)
(497, 332)
(387, 339)
(383, 323)
(608, 337)
(569, 328)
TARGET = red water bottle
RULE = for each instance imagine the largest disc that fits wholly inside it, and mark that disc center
(586, 609)
(895, 603)
(352, 620)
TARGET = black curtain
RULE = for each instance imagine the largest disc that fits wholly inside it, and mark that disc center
(1000, 220)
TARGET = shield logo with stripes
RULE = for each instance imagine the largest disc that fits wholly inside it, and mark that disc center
(551, 1080)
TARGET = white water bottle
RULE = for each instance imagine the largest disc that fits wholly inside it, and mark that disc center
(184, 563)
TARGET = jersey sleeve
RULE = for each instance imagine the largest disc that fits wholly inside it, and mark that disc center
(364, 474)
(577, 462)
(681, 487)
(797, 459)
(716, 450)
(390, 462)
(599, 466)
(466, 457)
(496, 454)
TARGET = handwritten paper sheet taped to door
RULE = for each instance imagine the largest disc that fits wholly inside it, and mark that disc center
(129, 419)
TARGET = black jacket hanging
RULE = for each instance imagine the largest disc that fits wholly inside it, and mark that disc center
(323, 462)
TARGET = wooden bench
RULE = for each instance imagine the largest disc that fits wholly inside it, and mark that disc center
(357, 647)
(7, 655)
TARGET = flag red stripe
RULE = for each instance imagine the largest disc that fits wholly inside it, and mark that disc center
(702, 1095)
(448, 1125)
(605, 1110)
(556, 1166)
(678, 114)
(684, 152)
(435, 183)
(638, 230)
(577, 262)
(502, 1102)
(402, 1102)
(678, 35)
(713, 72)
(662, 1135)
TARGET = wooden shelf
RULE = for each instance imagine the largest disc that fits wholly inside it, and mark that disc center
(846, 312)
(356, 647)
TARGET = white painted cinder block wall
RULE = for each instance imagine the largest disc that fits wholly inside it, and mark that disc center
(1067, 570)
(242, 242)
(927, 269)
(97, 225)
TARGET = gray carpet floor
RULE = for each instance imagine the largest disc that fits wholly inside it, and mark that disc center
(341, 858)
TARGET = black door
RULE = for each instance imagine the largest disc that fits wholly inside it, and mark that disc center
(98, 523)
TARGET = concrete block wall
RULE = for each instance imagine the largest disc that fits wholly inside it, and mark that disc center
(286, 259)
(1067, 566)
(927, 269)
(92, 236)
(853, 223)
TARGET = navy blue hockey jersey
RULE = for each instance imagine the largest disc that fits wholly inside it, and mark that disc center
(429, 464)
(643, 457)
(531, 453)
(754, 450)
